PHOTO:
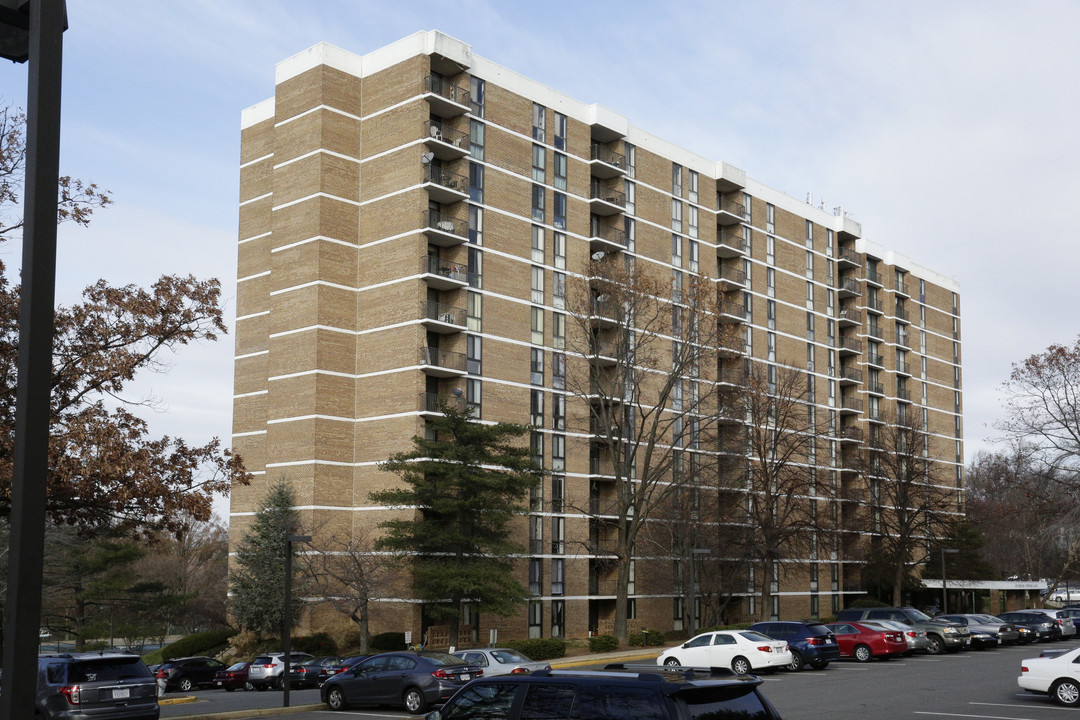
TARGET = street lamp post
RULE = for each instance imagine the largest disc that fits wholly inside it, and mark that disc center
(286, 623)
(944, 590)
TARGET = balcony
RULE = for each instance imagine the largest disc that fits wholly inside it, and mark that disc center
(604, 353)
(876, 360)
(732, 312)
(601, 468)
(876, 417)
(444, 230)
(874, 278)
(606, 163)
(903, 368)
(903, 395)
(849, 345)
(875, 389)
(437, 362)
(730, 347)
(605, 314)
(902, 316)
(849, 405)
(441, 274)
(729, 415)
(901, 288)
(849, 317)
(445, 187)
(444, 141)
(850, 375)
(730, 212)
(849, 258)
(903, 338)
(732, 377)
(446, 100)
(874, 330)
(730, 244)
(733, 278)
(848, 287)
(431, 402)
(851, 434)
(606, 238)
(875, 306)
(604, 200)
(439, 318)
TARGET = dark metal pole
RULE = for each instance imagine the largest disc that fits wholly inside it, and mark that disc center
(286, 629)
(944, 591)
(22, 616)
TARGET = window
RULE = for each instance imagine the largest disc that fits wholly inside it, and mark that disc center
(560, 251)
(810, 326)
(810, 234)
(537, 244)
(809, 264)
(676, 180)
(537, 326)
(472, 396)
(560, 131)
(770, 282)
(676, 251)
(476, 182)
(770, 218)
(557, 576)
(476, 225)
(693, 221)
(539, 163)
(538, 212)
(538, 285)
(536, 408)
(558, 536)
(558, 412)
(693, 246)
(473, 302)
(476, 96)
(476, 140)
(560, 211)
(676, 215)
(536, 619)
(558, 331)
(536, 366)
(746, 199)
(544, 697)
(829, 243)
(771, 341)
(809, 295)
(693, 186)
(770, 313)
(558, 290)
(476, 268)
(631, 160)
(539, 131)
(558, 371)
(631, 197)
(474, 355)
(560, 171)
(770, 250)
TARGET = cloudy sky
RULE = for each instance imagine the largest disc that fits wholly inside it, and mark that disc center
(948, 129)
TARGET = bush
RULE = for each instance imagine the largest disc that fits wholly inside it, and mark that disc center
(317, 644)
(387, 642)
(603, 643)
(539, 648)
(202, 643)
(645, 638)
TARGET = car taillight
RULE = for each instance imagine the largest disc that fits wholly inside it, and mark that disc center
(519, 671)
(765, 648)
(440, 673)
(160, 674)
(912, 633)
(269, 667)
(1023, 669)
(73, 693)
(814, 641)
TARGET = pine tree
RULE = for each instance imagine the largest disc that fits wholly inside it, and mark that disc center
(466, 485)
(258, 585)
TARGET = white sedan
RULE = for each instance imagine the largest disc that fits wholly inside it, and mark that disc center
(1059, 676)
(501, 661)
(741, 650)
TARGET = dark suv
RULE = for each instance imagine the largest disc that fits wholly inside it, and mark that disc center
(811, 644)
(941, 635)
(101, 686)
(643, 692)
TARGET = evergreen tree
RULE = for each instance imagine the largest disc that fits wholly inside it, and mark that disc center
(258, 585)
(466, 485)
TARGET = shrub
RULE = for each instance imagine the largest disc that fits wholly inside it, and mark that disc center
(603, 643)
(646, 638)
(539, 648)
(201, 643)
(317, 644)
(387, 642)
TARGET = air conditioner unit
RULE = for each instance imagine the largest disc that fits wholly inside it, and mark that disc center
(447, 318)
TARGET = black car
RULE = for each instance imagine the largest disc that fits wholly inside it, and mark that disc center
(415, 680)
(313, 673)
(102, 686)
(643, 692)
(187, 673)
(1044, 627)
(811, 644)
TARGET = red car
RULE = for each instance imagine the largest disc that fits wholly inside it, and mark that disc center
(233, 677)
(864, 643)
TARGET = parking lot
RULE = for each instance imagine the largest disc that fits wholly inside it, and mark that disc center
(972, 684)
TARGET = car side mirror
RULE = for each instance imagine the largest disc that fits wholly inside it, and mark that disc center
(686, 644)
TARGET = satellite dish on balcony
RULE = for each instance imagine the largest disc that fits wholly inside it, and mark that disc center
(456, 392)
(427, 157)
(598, 255)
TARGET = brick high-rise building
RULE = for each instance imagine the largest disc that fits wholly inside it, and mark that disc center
(410, 221)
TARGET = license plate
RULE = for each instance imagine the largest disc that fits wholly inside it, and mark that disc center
(466, 677)
(219, 683)
(121, 694)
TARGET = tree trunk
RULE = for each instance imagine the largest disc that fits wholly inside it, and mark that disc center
(898, 584)
(765, 611)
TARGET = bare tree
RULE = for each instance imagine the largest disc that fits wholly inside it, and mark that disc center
(641, 357)
(908, 501)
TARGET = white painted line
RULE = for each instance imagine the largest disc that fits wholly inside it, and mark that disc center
(1033, 697)
(985, 717)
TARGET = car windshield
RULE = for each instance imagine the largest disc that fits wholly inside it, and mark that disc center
(107, 669)
(916, 615)
(989, 619)
(509, 656)
(238, 666)
(444, 659)
(754, 636)
(817, 630)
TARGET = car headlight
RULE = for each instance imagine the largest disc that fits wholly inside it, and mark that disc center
(950, 631)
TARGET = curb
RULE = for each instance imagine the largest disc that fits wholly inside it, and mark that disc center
(261, 712)
(595, 661)
(177, 700)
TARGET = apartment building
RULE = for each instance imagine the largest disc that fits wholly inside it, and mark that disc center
(410, 222)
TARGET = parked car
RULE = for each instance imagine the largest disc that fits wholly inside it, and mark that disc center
(185, 674)
(941, 636)
(985, 632)
(314, 672)
(501, 661)
(916, 639)
(1061, 617)
(234, 677)
(741, 650)
(1073, 613)
(1043, 627)
(810, 644)
(1059, 677)
(267, 670)
(619, 691)
(415, 680)
(102, 686)
(865, 642)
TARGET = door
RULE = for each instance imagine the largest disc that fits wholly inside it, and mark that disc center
(723, 650)
(696, 651)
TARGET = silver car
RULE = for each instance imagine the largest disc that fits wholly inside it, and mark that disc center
(501, 661)
(267, 670)
(1064, 621)
(916, 638)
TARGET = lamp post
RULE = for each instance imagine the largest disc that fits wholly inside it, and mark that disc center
(944, 590)
(32, 30)
(286, 622)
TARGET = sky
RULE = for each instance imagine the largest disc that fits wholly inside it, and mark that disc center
(947, 129)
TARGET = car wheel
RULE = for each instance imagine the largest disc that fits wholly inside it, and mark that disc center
(248, 686)
(1065, 692)
(819, 664)
(280, 683)
(672, 662)
(184, 685)
(741, 666)
(335, 699)
(414, 701)
(936, 645)
(863, 654)
(796, 663)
